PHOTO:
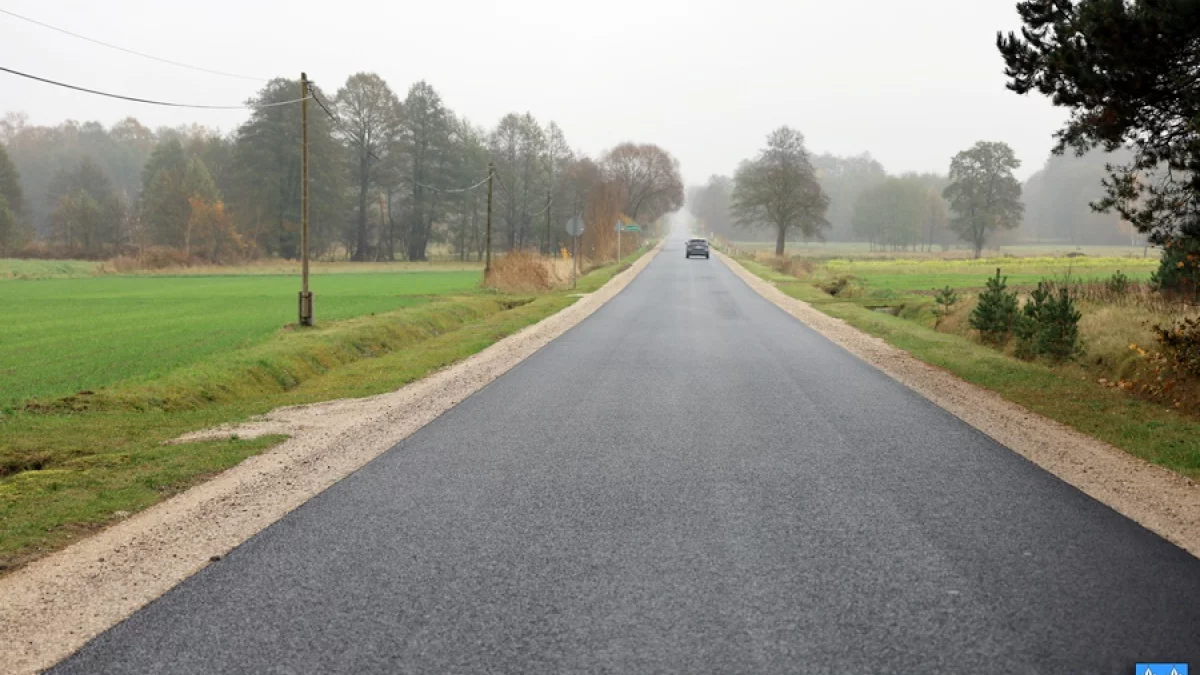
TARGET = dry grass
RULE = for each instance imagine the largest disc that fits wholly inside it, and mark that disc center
(801, 268)
(525, 271)
(1108, 330)
(1111, 323)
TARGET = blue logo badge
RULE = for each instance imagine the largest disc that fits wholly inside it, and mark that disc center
(1160, 669)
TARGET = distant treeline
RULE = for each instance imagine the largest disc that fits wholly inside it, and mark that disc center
(389, 178)
(908, 211)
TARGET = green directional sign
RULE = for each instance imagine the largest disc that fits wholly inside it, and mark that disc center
(633, 228)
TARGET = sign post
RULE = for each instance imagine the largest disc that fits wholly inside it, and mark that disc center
(574, 228)
(619, 228)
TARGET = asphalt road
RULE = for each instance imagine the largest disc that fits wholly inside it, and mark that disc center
(690, 481)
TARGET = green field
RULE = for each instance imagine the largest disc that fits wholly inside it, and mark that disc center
(65, 335)
(859, 249)
(906, 275)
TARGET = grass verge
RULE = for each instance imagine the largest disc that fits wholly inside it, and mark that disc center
(72, 465)
(1066, 393)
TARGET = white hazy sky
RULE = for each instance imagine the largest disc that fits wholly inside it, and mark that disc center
(912, 83)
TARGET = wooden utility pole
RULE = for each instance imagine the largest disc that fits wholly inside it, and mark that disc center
(306, 298)
(549, 245)
(487, 265)
(382, 229)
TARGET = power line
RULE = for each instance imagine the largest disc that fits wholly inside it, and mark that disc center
(437, 189)
(131, 51)
(135, 99)
(523, 211)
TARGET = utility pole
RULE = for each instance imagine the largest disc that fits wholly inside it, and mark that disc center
(487, 266)
(549, 246)
(306, 297)
(382, 228)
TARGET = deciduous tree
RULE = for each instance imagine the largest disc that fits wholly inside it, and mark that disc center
(844, 179)
(518, 147)
(12, 203)
(779, 189)
(212, 234)
(892, 213)
(650, 179)
(87, 213)
(711, 203)
(983, 193)
(426, 149)
(369, 110)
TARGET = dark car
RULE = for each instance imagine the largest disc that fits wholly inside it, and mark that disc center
(697, 247)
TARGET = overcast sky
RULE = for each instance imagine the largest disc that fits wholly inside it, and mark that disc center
(912, 83)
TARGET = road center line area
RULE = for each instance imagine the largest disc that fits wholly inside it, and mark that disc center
(688, 481)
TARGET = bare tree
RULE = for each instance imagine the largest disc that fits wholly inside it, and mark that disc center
(425, 138)
(518, 147)
(559, 158)
(649, 177)
(779, 189)
(368, 109)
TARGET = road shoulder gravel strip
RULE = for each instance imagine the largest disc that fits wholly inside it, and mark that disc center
(1160, 500)
(52, 607)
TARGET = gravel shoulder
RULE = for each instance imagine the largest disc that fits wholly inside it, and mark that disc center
(1161, 501)
(53, 606)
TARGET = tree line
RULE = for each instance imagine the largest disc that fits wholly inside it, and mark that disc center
(390, 177)
(910, 211)
(791, 193)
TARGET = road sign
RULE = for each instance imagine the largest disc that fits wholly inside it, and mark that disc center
(633, 227)
(575, 226)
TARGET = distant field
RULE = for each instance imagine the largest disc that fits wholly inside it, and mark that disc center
(11, 268)
(840, 249)
(63, 335)
(924, 275)
(47, 269)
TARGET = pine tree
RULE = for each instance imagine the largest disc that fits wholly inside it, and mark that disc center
(1048, 325)
(996, 311)
(1058, 334)
(945, 300)
(1029, 323)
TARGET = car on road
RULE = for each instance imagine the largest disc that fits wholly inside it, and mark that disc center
(697, 247)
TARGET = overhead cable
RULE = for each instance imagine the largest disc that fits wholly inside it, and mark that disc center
(523, 212)
(131, 51)
(136, 99)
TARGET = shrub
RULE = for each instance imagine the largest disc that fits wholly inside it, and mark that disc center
(837, 285)
(944, 304)
(996, 311)
(781, 264)
(1118, 284)
(1180, 344)
(524, 272)
(1179, 269)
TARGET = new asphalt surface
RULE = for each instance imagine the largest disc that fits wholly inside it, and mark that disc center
(690, 481)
